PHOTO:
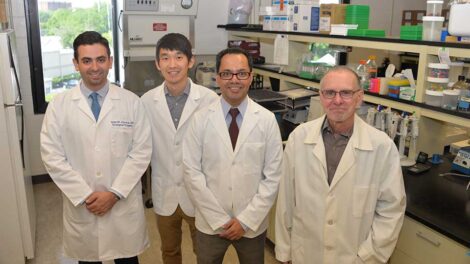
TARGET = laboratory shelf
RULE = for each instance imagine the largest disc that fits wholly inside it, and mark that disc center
(395, 44)
(454, 117)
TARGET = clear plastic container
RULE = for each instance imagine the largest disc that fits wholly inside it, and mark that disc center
(432, 27)
(437, 86)
(438, 70)
(450, 99)
(434, 8)
(433, 98)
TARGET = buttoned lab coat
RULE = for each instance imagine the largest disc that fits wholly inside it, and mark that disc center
(224, 183)
(357, 218)
(167, 175)
(83, 156)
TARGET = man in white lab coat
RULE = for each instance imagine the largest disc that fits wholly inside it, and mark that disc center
(341, 197)
(170, 108)
(232, 155)
(95, 144)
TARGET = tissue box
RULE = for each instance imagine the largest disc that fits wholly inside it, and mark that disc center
(407, 93)
(280, 23)
(267, 23)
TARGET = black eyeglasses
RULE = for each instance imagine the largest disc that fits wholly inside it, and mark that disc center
(345, 94)
(229, 75)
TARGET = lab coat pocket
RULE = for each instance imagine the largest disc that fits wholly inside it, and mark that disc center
(77, 215)
(253, 154)
(364, 200)
(120, 141)
(126, 206)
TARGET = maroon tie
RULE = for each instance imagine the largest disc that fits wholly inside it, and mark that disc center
(233, 128)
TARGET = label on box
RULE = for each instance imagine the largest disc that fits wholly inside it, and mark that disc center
(324, 23)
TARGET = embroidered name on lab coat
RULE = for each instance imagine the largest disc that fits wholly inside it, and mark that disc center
(122, 124)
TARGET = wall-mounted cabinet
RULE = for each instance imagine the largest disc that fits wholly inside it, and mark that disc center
(432, 118)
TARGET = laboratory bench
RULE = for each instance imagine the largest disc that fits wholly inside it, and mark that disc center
(440, 202)
(436, 228)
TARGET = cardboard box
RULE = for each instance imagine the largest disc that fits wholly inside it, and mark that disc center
(331, 14)
(304, 18)
(304, 2)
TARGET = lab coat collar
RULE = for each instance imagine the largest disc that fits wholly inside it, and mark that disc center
(250, 120)
(359, 140)
(189, 107)
(83, 105)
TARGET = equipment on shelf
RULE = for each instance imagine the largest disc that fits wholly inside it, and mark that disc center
(462, 161)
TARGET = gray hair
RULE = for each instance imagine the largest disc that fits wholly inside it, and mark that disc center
(342, 68)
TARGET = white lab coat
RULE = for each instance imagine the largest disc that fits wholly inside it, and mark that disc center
(356, 219)
(167, 175)
(83, 156)
(224, 183)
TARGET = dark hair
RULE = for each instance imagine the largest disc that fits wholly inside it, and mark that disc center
(232, 51)
(174, 41)
(343, 68)
(89, 38)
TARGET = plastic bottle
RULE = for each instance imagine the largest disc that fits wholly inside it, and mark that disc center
(363, 75)
(372, 67)
(464, 98)
(460, 84)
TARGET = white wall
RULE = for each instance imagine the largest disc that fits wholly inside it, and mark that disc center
(209, 39)
(386, 14)
(32, 122)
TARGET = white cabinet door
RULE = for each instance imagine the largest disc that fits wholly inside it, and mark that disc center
(420, 244)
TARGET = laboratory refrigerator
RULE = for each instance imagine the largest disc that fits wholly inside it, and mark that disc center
(18, 218)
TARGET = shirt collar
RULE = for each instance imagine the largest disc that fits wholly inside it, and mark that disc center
(86, 91)
(326, 128)
(186, 89)
(241, 108)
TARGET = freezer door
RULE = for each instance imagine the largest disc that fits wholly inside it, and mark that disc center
(13, 124)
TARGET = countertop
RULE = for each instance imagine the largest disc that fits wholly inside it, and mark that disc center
(440, 202)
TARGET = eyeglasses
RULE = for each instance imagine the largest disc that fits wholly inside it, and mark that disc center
(229, 75)
(344, 94)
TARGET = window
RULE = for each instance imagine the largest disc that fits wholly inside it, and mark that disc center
(52, 27)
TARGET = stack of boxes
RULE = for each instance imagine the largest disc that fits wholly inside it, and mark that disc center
(293, 15)
(359, 15)
(411, 32)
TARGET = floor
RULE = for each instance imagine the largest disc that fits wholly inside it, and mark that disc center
(49, 233)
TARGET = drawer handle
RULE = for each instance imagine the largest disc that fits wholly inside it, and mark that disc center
(435, 243)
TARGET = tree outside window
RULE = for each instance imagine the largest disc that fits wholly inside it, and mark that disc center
(60, 21)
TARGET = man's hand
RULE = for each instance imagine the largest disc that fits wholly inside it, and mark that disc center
(233, 230)
(99, 203)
